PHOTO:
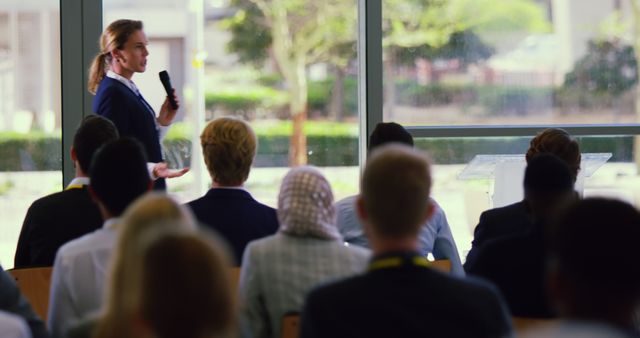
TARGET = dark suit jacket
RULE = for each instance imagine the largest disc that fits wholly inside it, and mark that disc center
(52, 221)
(516, 265)
(406, 301)
(236, 216)
(132, 115)
(11, 300)
(506, 221)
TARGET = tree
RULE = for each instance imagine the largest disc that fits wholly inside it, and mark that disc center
(300, 33)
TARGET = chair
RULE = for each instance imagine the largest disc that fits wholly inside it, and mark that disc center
(522, 324)
(290, 325)
(234, 275)
(442, 265)
(34, 283)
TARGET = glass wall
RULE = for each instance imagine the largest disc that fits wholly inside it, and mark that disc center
(472, 175)
(227, 58)
(30, 100)
(509, 62)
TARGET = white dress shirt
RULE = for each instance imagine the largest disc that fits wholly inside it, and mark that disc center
(79, 276)
(12, 326)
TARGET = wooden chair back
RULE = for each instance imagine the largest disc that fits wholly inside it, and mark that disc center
(443, 265)
(234, 275)
(291, 325)
(523, 324)
(34, 283)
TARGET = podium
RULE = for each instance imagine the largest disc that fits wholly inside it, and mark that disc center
(508, 174)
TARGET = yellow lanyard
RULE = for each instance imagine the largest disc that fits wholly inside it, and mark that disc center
(74, 186)
(394, 262)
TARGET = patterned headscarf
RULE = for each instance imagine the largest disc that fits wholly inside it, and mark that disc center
(305, 205)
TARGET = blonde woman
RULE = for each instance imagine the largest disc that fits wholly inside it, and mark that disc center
(279, 270)
(123, 52)
(151, 213)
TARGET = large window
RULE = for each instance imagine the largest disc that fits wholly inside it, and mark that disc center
(228, 58)
(30, 100)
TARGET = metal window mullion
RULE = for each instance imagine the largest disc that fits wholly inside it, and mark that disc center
(527, 130)
(80, 27)
(370, 93)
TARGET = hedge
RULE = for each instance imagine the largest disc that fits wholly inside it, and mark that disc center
(44, 153)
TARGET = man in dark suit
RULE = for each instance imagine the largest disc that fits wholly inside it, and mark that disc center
(515, 219)
(400, 296)
(229, 146)
(517, 264)
(58, 218)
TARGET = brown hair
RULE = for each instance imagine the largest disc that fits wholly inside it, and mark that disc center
(228, 147)
(395, 189)
(186, 289)
(114, 37)
(559, 143)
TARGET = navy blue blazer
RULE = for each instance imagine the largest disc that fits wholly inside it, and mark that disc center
(52, 221)
(513, 219)
(236, 216)
(405, 301)
(132, 115)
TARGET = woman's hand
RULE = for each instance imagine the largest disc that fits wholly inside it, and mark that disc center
(167, 114)
(161, 170)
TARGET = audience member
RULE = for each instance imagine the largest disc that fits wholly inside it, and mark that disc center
(517, 264)
(435, 235)
(13, 326)
(279, 270)
(229, 146)
(58, 218)
(13, 302)
(151, 214)
(400, 296)
(515, 219)
(118, 176)
(594, 275)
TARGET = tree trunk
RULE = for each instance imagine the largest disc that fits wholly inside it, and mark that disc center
(298, 104)
(336, 108)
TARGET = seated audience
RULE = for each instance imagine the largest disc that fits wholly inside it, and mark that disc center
(279, 270)
(154, 213)
(228, 147)
(118, 176)
(517, 264)
(400, 296)
(435, 234)
(13, 302)
(594, 275)
(515, 219)
(13, 326)
(58, 218)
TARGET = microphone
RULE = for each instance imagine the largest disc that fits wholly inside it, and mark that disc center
(166, 83)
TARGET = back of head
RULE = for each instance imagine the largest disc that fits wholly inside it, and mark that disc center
(228, 147)
(151, 215)
(305, 204)
(94, 132)
(389, 132)
(548, 183)
(186, 292)
(119, 174)
(594, 247)
(395, 188)
(559, 143)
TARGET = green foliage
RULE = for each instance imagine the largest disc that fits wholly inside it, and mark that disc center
(320, 93)
(245, 99)
(251, 39)
(607, 68)
(465, 46)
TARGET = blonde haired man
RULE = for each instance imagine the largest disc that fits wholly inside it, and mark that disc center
(400, 296)
(228, 147)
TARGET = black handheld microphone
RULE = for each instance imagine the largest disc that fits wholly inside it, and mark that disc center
(166, 83)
